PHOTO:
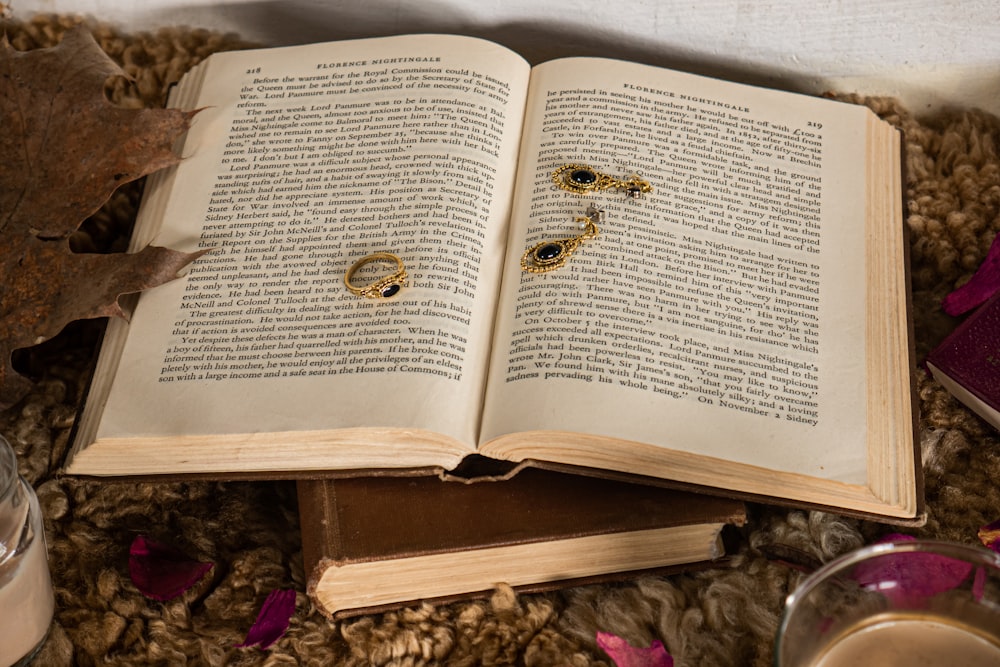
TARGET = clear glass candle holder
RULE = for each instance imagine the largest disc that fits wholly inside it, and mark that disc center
(26, 598)
(909, 603)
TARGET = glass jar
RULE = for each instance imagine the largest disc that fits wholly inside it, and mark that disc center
(27, 602)
(906, 602)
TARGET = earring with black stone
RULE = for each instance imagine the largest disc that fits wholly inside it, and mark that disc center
(554, 253)
(581, 179)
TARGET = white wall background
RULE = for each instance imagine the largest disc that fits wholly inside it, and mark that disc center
(928, 53)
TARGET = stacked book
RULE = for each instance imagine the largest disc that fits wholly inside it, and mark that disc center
(397, 289)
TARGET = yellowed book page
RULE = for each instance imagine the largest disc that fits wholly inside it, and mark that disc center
(383, 582)
(723, 314)
(303, 161)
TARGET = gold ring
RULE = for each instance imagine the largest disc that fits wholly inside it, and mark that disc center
(383, 288)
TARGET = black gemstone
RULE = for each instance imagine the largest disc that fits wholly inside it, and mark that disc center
(390, 290)
(583, 177)
(548, 252)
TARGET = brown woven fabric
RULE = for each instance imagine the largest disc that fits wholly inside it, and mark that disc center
(249, 530)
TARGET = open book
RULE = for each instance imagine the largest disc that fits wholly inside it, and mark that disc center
(743, 326)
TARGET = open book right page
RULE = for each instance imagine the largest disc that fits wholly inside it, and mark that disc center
(725, 313)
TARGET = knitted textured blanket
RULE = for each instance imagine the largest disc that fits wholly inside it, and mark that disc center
(249, 530)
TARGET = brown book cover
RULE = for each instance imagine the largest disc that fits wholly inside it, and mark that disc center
(373, 544)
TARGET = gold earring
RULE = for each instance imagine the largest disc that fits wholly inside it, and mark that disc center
(554, 253)
(580, 179)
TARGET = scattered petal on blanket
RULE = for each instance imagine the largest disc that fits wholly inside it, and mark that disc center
(625, 655)
(911, 578)
(272, 621)
(983, 284)
(989, 535)
(162, 572)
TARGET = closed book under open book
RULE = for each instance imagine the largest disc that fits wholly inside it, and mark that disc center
(372, 544)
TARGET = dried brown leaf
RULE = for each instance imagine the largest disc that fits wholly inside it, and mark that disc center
(66, 149)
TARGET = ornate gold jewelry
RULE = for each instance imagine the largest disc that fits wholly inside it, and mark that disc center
(553, 254)
(580, 179)
(383, 288)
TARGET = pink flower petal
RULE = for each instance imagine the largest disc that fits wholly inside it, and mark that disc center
(272, 621)
(161, 572)
(626, 655)
(989, 535)
(911, 578)
(985, 282)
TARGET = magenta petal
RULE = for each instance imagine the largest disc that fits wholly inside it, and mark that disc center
(626, 655)
(272, 621)
(161, 572)
(985, 282)
(989, 535)
(910, 578)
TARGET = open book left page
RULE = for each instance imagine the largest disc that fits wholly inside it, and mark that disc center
(302, 161)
